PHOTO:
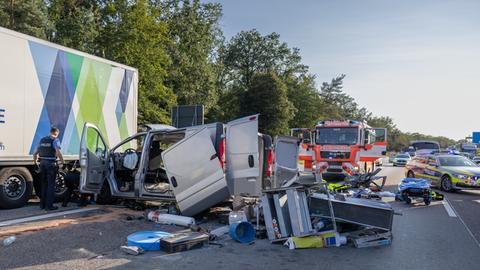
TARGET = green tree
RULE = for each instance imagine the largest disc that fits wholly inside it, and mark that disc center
(131, 34)
(249, 52)
(76, 23)
(337, 104)
(195, 34)
(267, 95)
(245, 55)
(25, 16)
(306, 99)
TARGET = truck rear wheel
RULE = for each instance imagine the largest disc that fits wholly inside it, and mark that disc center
(16, 186)
(60, 187)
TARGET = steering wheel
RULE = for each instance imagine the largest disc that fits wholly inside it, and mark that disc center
(129, 150)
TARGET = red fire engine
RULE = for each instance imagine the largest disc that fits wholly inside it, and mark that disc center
(306, 153)
(347, 147)
(340, 148)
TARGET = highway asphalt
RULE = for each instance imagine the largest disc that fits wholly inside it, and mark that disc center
(443, 235)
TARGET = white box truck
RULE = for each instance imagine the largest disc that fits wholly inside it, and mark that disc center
(42, 85)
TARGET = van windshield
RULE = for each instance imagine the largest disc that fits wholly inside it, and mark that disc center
(337, 136)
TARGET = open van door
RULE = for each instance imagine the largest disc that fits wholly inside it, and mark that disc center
(286, 161)
(93, 159)
(242, 156)
(195, 174)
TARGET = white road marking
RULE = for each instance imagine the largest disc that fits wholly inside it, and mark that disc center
(465, 225)
(40, 217)
(477, 201)
(449, 209)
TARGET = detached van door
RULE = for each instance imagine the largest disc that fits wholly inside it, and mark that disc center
(286, 161)
(242, 156)
(93, 159)
(195, 174)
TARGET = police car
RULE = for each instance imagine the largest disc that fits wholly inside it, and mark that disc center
(447, 171)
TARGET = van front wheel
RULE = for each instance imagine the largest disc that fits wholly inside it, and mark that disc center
(105, 195)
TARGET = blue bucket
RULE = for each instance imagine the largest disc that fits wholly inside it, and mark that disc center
(242, 232)
(148, 240)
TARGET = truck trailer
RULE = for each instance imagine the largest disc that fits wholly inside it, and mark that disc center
(43, 85)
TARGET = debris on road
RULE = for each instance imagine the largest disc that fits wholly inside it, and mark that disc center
(132, 250)
(286, 213)
(183, 242)
(323, 240)
(362, 212)
(219, 232)
(169, 219)
(9, 240)
(370, 238)
(147, 240)
(417, 188)
(242, 232)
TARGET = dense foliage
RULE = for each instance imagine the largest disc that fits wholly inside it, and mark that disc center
(183, 58)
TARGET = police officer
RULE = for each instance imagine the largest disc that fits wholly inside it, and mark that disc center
(48, 150)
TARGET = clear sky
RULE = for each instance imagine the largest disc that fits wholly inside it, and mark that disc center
(417, 61)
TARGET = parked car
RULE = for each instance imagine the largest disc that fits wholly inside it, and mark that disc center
(391, 157)
(401, 159)
(476, 160)
(448, 172)
(196, 167)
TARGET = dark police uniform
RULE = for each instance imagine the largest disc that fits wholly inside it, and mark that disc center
(48, 169)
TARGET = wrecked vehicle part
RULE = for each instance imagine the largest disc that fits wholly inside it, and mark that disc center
(247, 157)
(286, 213)
(286, 161)
(185, 165)
(203, 185)
(363, 212)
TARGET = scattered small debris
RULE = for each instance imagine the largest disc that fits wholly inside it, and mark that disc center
(9, 240)
(162, 218)
(183, 241)
(218, 232)
(132, 250)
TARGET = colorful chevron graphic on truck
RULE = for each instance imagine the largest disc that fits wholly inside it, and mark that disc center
(78, 89)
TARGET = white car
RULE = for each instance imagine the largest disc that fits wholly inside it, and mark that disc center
(401, 159)
(476, 160)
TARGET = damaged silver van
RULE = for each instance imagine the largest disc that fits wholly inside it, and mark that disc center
(197, 167)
